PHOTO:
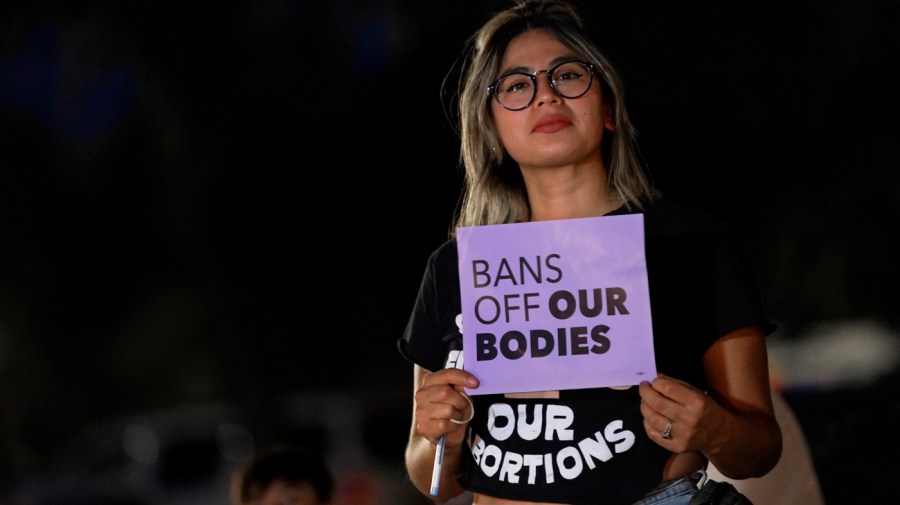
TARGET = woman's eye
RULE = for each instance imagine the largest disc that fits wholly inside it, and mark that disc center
(517, 87)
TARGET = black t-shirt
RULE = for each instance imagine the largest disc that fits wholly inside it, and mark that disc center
(588, 446)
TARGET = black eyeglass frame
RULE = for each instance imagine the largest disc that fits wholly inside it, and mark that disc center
(492, 89)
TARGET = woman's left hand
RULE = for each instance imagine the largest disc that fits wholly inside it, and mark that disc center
(692, 413)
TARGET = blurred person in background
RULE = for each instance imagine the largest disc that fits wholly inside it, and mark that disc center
(283, 475)
(794, 480)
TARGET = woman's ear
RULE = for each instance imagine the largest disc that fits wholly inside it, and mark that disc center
(608, 121)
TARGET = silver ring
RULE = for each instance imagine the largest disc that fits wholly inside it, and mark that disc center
(667, 433)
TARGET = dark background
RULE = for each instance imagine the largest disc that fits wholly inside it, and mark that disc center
(234, 202)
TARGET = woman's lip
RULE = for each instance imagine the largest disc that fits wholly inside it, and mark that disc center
(551, 124)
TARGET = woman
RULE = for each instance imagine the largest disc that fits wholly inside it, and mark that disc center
(545, 136)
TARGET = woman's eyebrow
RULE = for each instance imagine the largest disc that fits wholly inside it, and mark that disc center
(530, 70)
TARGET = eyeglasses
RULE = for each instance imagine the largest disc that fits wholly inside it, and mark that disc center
(516, 90)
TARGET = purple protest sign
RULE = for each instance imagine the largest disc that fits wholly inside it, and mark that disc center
(555, 305)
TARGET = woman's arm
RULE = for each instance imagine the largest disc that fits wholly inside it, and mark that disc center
(435, 402)
(734, 425)
(747, 440)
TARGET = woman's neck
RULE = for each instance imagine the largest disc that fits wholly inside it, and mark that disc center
(568, 193)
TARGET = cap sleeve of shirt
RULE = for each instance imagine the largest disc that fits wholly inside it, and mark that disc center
(426, 339)
(737, 292)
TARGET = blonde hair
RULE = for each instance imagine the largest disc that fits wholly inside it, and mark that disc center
(493, 188)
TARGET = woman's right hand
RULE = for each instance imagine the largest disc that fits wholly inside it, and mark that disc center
(440, 398)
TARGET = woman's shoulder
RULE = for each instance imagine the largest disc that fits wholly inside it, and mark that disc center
(444, 253)
(665, 216)
(442, 262)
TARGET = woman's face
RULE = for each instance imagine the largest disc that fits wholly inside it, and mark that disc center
(552, 130)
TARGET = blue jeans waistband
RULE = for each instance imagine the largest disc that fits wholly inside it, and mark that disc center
(675, 491)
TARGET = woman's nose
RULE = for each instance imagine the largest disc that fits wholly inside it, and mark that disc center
(544, 93)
